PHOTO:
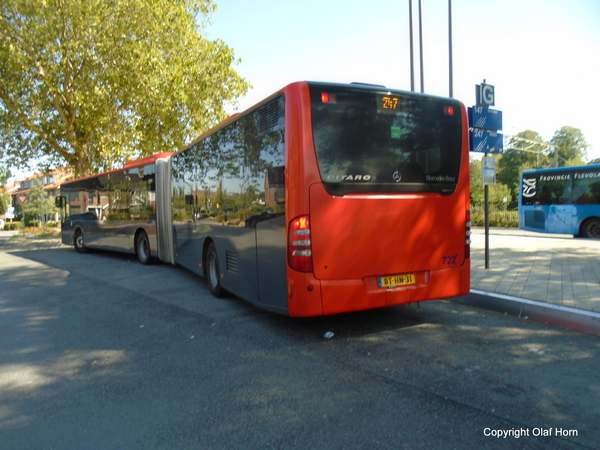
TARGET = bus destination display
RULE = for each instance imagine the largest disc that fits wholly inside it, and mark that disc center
(389, 102)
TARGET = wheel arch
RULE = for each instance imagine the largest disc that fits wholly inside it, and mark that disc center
(584, 224)
(207, 242)
(77, 229)
(137, 233)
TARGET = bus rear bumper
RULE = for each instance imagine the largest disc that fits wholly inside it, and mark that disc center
(355, 295)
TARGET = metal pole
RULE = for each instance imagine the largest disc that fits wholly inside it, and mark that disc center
(486, 192)
(421, 47)
(451, 94)
(412, 53)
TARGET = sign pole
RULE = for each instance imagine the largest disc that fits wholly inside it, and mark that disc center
(451, 91)
(421, 48)
(412, 56)
(488, 164)
(22, 199)
(486, 193)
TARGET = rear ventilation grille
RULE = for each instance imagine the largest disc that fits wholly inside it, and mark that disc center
(231, 261)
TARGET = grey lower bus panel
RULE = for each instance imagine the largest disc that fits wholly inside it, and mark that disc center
(272, 264)
(251, 260)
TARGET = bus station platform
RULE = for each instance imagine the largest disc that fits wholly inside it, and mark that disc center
(539, 276)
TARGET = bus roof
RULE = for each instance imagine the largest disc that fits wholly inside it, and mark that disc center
(564, 168)
(146, 160)
(128, 165)
(353, 85)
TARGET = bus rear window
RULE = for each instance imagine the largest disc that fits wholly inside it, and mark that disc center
(377, 141)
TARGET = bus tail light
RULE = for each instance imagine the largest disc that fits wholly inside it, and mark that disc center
(468, 236)
(327, 97)
(299, 245)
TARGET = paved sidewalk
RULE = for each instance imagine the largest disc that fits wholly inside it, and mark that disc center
(13, 240)
(556, 269)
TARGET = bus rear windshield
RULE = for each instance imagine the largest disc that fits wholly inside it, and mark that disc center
(377, 141)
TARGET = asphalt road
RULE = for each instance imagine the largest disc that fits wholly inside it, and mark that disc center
(101, 352)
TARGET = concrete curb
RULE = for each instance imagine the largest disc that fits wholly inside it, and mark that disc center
(563, 316)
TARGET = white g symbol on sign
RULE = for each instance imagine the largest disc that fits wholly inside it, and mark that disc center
(487, 94)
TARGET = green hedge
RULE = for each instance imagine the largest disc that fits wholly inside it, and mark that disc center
(504, 219)
(18, 225)
(12, 226)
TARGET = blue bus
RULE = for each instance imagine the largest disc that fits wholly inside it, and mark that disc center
(563, 200)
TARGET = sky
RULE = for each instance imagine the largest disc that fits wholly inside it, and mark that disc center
(541, 56)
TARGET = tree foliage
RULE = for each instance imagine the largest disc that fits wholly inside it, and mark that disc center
(570, 147)
(499, 194)
(523, 153)
(527, 150)
(4, 202)
(91, 83)
(39, 204)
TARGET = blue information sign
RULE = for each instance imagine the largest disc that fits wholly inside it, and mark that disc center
(485, 118)
(484, 141)
(484, 122)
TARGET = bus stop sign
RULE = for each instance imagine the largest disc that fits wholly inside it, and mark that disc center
(489, 170)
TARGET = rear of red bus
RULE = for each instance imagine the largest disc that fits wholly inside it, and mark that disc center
(377, 194)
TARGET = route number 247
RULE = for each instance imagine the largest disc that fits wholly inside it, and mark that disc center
(449, 259)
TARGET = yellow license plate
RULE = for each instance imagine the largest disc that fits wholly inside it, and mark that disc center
(396, 280)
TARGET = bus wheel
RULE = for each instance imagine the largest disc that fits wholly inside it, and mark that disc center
(79, 242)
(213, 275)
(591, 228)
(142, 248)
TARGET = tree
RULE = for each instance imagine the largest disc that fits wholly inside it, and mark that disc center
(523, 153)
(39, 205)
(4, 198)
(91, 83)
(570, 147)
(4, 203)
(4, 174)
(477, 194)
(499, 194)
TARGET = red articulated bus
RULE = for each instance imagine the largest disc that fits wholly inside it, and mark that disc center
(322, 199)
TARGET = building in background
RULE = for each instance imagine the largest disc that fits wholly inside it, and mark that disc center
(19, 191)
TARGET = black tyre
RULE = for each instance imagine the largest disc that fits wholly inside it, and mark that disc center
(79, 242)
(142, 248)
(213, 274)
(591, 228)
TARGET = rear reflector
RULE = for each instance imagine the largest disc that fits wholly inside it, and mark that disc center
(468, 236)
